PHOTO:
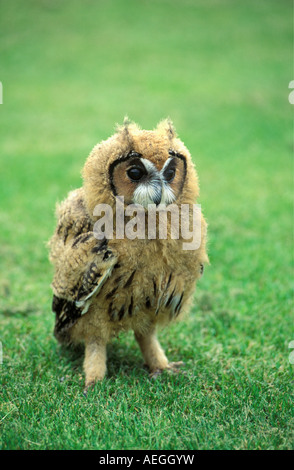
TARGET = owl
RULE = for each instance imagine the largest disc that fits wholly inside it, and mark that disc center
(105, 281)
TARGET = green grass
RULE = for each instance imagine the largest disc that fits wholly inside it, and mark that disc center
(220, 70)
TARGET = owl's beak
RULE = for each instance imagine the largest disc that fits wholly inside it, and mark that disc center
(150, 193)
(158, 195)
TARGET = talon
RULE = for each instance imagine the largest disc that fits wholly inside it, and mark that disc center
(88, 387)
(156, 373)
(172, 367)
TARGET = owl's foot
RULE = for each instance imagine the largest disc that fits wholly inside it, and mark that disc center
(172, 367)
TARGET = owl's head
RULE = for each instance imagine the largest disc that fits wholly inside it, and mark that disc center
(145, 167)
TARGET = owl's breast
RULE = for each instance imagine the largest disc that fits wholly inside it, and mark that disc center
(151, 279)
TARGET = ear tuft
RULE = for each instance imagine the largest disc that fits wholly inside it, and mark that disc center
(166, 127)
(127, 127)
(124, 126)
(126, 122)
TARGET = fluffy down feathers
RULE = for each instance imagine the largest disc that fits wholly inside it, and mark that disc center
(101, 287)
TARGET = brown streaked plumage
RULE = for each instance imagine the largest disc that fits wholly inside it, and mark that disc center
(101, 287)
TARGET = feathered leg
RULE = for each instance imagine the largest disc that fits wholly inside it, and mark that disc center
(154, 355)
(95, 361)
(152, 352)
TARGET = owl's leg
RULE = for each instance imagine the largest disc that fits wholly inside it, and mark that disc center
(153, 353)
(95, 361)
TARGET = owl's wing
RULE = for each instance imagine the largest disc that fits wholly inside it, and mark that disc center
(72, 220)
(82, 264)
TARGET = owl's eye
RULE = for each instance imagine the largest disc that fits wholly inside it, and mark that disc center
(169, 174)
(136, 173)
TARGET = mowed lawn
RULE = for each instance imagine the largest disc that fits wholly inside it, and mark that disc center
(221, 70)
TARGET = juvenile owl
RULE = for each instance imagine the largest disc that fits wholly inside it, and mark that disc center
(109, 277)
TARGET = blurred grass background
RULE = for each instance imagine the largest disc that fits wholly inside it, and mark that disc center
(220, 69)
